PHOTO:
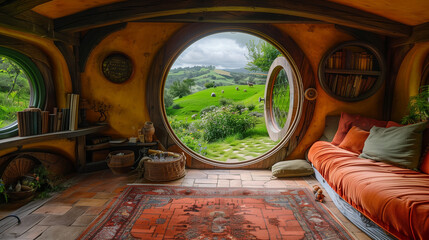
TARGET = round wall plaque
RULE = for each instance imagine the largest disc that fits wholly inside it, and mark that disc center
(117, 67)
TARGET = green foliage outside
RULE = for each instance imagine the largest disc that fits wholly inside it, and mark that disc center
(14, 91)
(223, 125)
(261, 56)
(225, 121)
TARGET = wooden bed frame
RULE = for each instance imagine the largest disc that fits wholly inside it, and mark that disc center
(357, 218)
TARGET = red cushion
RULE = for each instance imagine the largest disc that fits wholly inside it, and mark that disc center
(349, 120)
(393, 124)
(354, 140)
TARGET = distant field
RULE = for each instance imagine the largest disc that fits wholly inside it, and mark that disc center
(193, 103)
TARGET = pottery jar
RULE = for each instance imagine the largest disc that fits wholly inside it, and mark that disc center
(149, 131)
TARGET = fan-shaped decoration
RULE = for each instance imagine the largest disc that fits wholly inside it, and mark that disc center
(17, 168)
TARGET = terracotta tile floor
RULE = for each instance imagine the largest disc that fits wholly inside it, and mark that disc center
(68, 213)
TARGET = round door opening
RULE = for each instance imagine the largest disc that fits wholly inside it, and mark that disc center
(227, 93)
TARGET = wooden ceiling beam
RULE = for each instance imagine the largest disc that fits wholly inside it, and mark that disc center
(15, 7)
(320, 10)
(231, 17)
(36, 24)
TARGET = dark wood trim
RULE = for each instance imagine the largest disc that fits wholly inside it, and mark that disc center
(314, 9)
(191, 33)
(38, 25)
(13, 8)
(20, 141)
(395, 56)
(420, 33)
(425, 73)
(92, 38)
(230, 17)
(70, 57)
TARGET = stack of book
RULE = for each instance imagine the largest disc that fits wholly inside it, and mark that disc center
(349, 85)
(33, 121)
(347, 59)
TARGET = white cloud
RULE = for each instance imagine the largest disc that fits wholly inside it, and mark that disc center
(223, 50)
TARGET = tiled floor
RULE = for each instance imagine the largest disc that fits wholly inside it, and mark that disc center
(66, 215)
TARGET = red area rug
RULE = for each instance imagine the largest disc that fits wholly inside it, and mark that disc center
(169, 212)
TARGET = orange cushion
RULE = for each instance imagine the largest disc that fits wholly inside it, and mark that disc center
(354, 140)
(349, 120)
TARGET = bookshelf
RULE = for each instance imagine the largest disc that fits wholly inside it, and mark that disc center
(352, 71)
(20, 141)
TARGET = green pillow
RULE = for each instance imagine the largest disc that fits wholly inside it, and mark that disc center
(292, 168)
(400, 146)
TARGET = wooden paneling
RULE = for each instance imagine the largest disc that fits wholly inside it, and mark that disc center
(193, 32)
(313, 9)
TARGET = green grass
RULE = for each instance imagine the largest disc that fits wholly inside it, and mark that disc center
(192, 104)
(240, 147)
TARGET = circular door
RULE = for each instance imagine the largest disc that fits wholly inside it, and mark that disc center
(279, 98)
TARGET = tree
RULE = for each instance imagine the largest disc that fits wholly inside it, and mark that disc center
(181, 88)
(261, 55)
(168, 98)
(12, 70)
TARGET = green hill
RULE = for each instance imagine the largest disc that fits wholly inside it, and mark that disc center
(202, 75)
(192, 104)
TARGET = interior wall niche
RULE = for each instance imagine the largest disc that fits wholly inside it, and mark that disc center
(193, 32)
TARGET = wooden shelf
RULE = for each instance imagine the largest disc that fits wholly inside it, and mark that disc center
(356, 72)
(351, 71)
(20, 141)
(125, 144)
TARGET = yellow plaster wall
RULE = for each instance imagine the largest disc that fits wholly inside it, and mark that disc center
(408, 79)
(141, 42)
(62, 84)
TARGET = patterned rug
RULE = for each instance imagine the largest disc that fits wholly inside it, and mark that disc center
(170, 212)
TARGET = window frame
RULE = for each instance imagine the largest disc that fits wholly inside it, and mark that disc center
(37, 86)
(184, 37)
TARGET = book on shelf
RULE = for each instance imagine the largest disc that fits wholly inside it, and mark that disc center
(353, 60)
(33, 121)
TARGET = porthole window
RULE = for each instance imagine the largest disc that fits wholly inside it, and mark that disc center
(214, 92)
(283, 114)
(21, 86)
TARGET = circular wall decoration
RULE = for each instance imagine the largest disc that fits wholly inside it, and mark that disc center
(310, 94)
(117, 67)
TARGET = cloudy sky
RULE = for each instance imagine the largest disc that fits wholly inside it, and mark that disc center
(224, 50)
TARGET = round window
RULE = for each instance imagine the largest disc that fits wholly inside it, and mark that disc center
(213, 93)
(21, 86)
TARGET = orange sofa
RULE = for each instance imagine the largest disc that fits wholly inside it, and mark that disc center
(396, 199)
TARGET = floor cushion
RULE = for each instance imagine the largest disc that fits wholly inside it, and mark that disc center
(292, 168)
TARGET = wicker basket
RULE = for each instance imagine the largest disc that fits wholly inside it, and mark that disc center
(120, 164)
(164, 171)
